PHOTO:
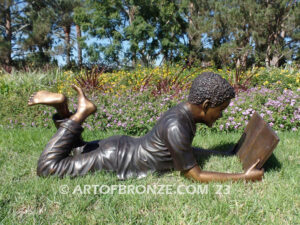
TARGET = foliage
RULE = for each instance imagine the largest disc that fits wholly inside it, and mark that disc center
(284, 78)
(90, 80)
(243, 33)
(279, 108)
(158, 80)
(132, 101)
(146, 28)
(12, 22)
(37, 39)
(125, 33)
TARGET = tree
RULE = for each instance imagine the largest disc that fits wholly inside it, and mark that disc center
(79, 50)
(11, 24)
(62, 21)
(171, 28)
(240, 23)
(64, 10)
(276, 30)
(208, 23)
(226, 27)
(37, 39)
(237, 31)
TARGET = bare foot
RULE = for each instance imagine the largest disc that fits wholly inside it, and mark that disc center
(58, 101)
(85, 106)
(46, 98)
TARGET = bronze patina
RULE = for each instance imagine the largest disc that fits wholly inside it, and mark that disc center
(257, 142)
(167, 146)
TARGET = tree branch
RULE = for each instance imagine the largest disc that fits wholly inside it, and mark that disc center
(21, 28)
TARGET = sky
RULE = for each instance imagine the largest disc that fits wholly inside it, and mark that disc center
(61, 59)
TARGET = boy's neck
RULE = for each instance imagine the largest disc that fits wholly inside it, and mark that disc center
(196, 111)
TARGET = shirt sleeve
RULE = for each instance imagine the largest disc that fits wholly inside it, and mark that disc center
(178, 139)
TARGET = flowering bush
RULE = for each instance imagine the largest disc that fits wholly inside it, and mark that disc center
(133, 101)
(279, 108)
(162, 80)
(159, 80)
(137, 113)
(288, 78)
(133, 113)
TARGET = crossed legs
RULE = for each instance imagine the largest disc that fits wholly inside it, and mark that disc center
(56, 157)
(60, 103)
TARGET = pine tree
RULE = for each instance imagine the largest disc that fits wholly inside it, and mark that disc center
(276, 30)
(11, 25)
(38, 39)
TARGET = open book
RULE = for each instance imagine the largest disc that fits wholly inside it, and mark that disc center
(257, 142)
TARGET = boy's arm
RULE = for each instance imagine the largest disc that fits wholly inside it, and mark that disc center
(197, 174)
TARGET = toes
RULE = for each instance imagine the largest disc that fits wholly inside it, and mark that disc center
(77, 89)
(30, 102)
(32, 96)
(31, 99)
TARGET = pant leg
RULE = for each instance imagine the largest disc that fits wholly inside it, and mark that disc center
(56, 158)
(57, 120)
(80, 146)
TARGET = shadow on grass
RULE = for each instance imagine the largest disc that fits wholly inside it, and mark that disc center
(203, 155)
(272, 164)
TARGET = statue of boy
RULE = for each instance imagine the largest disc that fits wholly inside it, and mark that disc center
(167, 146)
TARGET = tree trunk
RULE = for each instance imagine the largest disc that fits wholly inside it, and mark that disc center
(244, 61)
(267, 58)
(272, 59)
(131, 15)
(237, 72)
(67, 30)
(8, 37)
(275, 61)
(190, 21)
(79, 50)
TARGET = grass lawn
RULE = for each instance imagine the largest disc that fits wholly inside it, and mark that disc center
(28, 199)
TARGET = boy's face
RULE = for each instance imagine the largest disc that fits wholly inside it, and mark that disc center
(212, 114)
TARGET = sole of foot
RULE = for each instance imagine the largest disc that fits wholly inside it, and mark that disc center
(46, 98)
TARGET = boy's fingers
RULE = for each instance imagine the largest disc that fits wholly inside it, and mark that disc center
(254, 165)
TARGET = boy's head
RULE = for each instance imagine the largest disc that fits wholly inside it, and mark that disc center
(212, 87)
(210, 94)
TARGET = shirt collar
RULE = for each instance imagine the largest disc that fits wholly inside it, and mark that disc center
(189, 115)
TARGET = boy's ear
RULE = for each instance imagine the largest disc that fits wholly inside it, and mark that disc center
(205, 105)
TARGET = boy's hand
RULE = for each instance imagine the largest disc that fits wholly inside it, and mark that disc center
(254, 174)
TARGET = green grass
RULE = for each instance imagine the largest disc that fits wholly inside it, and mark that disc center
(28, 199)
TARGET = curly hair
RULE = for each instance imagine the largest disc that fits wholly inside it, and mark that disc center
(212, 87)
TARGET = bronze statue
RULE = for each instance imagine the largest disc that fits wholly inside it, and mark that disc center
(167, 146)
(257, 142)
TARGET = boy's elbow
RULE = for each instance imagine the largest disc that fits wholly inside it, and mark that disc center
(44, 170)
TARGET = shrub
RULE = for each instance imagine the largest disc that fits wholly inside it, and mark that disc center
(279, 108)
(131, 101)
